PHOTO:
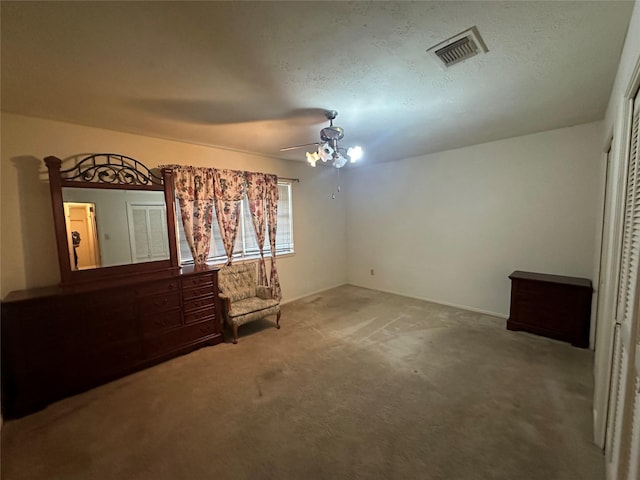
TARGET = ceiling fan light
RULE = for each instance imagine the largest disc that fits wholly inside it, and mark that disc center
(312, 158)
(328, 149)
(325, 152)
(355, 153)
(339, 161)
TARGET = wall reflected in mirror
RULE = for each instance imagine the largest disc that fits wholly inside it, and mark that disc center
(109, 227)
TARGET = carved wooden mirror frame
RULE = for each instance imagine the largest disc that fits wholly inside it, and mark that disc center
(110, 171)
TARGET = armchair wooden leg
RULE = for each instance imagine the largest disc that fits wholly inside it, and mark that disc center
(278, 320)
(235, 333)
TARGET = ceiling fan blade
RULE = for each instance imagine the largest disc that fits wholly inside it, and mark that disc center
(293, 147)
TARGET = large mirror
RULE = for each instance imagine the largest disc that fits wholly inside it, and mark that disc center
(114, 227)
(113, 217)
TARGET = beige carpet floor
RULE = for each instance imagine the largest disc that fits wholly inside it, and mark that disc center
(357, 384)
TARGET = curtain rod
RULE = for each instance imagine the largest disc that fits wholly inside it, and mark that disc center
(290, 179)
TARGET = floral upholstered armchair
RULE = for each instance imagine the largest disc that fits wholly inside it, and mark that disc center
(242, 299)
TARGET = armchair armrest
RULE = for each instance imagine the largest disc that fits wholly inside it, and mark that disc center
(264, 292)
(226, 302)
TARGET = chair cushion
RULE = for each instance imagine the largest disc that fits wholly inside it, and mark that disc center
(251, 304)
(243, 311)
(238, 281)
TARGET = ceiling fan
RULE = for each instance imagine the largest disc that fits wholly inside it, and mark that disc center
(327, 149)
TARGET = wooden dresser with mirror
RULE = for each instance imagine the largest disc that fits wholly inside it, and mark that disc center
(123, 303)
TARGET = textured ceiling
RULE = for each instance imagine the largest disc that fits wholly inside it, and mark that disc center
(257, 76)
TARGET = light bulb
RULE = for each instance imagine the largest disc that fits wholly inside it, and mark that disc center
(355, 153)
(339, 161)
(312, 158)
(325, 152)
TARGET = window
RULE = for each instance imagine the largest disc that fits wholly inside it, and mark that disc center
(246, 246)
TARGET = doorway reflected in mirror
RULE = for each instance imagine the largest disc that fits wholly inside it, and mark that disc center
(84, 248)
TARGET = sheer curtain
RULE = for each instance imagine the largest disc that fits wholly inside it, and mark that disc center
(194, 190)
(229, 187)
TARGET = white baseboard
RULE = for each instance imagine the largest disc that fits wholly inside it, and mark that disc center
(439, 302)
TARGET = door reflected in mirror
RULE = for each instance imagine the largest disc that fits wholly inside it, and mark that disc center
(109, 227)
(84, 246)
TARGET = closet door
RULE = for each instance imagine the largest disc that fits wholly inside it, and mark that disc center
(147, 227)
(623, 426)
(633, 330)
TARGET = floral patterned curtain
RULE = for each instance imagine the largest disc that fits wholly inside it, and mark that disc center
(194, 189)
(272, 195)
(229, 188)
(257, 203)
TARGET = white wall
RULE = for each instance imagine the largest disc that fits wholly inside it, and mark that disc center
(628, 61)
(451, 226)
(27, 244)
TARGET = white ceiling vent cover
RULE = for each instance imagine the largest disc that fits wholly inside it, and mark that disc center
(458, 48)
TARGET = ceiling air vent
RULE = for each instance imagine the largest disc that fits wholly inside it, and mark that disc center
(458, 48)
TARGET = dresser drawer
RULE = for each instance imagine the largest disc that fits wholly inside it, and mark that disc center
(111, 361)
(159, 303)
(197, 331)
(65, 357)
(109, 314)
(199, 302)
(109, 331)
(198, 292)
(200, 315)
(162, 344)
(542, 318)
(197, 280)
(165, 286)
(50, 334)
(108, 299)
(57, 373)
(158, 322)
(59, 307)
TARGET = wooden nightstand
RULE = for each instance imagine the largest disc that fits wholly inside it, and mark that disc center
(553, 306)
